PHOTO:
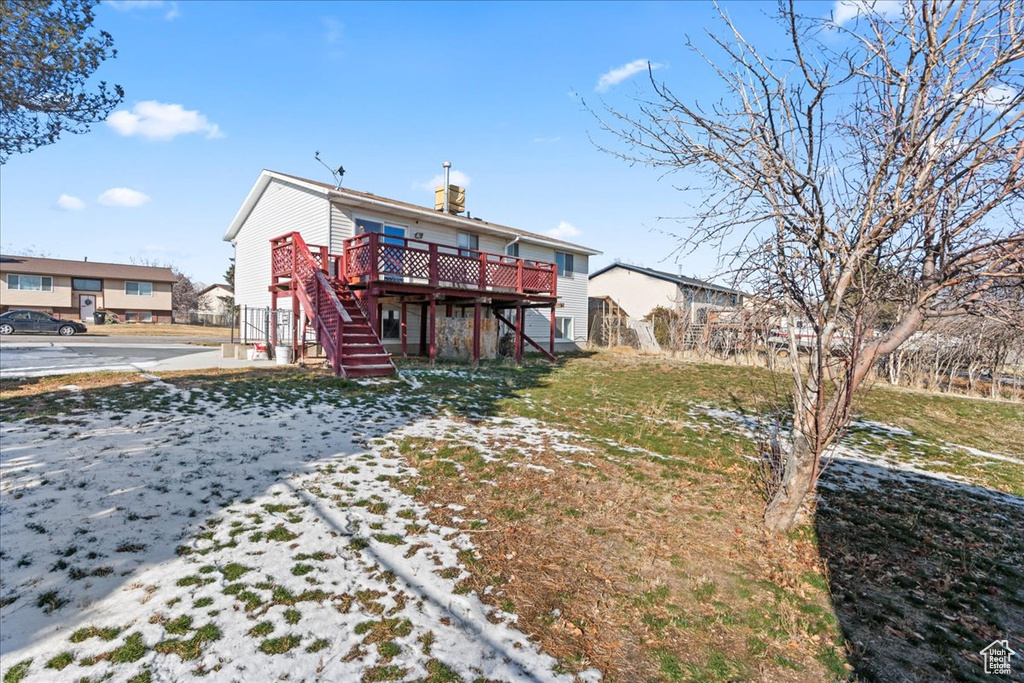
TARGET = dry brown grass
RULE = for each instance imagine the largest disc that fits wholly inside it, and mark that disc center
(605, 566)
(159, 330)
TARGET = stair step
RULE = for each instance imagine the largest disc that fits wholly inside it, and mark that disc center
(359, 349)
(375, 359)
(369, 370)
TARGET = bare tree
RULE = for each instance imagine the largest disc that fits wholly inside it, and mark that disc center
(871, 174)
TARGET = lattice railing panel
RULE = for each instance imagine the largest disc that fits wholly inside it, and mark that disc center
(501, 275)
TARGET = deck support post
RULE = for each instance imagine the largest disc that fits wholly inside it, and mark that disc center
(372, 310)
(296, 319)
(551, 348)
(497, 328)
(448, 310)
(433, 330)
(476, 332)
(424, 311)
(520, 316)
(405, 330)
(272, 321)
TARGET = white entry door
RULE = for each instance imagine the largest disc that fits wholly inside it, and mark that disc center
(87, 308)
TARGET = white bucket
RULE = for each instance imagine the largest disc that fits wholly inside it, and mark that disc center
(283, 354)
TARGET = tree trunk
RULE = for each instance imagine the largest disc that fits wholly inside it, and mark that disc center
(797, 481)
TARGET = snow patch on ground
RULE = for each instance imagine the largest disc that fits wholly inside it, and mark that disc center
(274, 527)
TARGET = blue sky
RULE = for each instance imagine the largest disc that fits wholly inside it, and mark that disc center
(215, 92)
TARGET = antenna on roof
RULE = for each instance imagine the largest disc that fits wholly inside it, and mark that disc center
(338, 173)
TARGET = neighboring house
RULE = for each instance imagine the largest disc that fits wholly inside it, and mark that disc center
(77, 289)
(215, 305)
(638, 291)
(336, 218)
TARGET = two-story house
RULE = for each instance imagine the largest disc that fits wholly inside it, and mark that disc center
(402, 261)
(78, 289)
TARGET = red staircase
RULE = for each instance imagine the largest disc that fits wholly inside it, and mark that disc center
(343, 331)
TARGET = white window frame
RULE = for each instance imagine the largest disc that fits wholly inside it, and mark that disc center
(138, 288)
(473, 241)
(45, 283)
(566, 264)
(558, 327)
(512, 250)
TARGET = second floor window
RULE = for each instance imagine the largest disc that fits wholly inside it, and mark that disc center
(30, 283)
(468, 242)
(84, 285)
(564, 263)
(138, 288)
(512, 250)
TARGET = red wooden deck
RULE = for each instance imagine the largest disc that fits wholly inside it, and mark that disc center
(371, 258)
(341, 294)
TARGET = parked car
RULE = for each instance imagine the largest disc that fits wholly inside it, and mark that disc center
(34, 322)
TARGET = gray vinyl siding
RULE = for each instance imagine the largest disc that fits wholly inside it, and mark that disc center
(282, 208)
(572, 297)
(342, 227)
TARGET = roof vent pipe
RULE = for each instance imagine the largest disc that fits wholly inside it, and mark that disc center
(447, 167)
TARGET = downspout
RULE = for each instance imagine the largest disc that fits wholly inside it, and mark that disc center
(509, 244)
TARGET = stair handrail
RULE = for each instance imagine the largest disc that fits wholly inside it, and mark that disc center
(302, 259)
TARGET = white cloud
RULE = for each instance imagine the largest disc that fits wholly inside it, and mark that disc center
(122, 196)
(565, 230)
(159, 121)
(454, 177)
(619, 74)
(845, 10)
(170, 8)
(997, 98)
(69, 203)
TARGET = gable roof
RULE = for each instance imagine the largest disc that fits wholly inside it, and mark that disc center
(680, 280)
(36, 265)
(213, 287)
(356, 198)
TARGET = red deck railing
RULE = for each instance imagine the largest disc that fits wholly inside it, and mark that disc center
(372, 257)
(291, 257)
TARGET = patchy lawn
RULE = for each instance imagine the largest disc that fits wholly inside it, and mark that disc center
(159, 330)
(595, 519)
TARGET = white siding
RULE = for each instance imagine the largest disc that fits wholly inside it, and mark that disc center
(282, 208)
(572, 297)
(432, 232)
(342, 227)
(637, 294)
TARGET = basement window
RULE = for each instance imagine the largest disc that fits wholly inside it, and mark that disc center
(391, 324)
(563, 327)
